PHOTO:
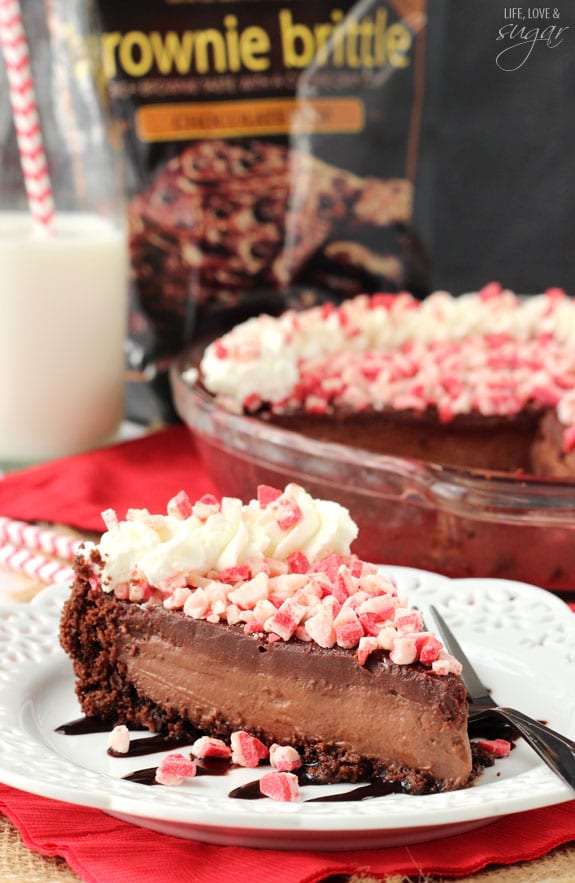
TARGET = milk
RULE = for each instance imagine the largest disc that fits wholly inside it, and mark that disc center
(63, 303)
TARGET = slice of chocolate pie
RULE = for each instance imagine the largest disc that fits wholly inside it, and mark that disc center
(219, 617)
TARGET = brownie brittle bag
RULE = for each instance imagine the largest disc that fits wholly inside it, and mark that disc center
(272, 150)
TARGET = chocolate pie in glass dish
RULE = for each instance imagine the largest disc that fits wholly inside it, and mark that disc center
(446, 426)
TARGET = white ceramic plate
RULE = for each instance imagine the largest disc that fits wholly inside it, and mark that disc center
(521, 639)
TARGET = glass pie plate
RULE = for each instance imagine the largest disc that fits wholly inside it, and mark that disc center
(458, 522)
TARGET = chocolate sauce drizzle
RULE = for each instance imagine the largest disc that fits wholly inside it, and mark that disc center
(149, 745)
(84, 726)
(218, 766)
(377, 788)
(205, 766)
(143, 777)
(251, 791)
(213, 766)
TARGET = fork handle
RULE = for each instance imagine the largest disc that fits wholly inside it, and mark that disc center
(557, 751)
(477, 712)
(541, 727)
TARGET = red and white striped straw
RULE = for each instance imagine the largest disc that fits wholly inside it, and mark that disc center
(38, 539)
(25, 115)
(38, 566)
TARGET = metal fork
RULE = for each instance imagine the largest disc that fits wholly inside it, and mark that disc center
(556, 750)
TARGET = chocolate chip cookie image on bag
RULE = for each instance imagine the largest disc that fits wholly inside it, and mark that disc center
(224, 218)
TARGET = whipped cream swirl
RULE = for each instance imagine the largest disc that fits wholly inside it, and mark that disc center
(190, 541)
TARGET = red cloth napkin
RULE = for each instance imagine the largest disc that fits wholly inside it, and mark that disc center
(143, 473)
(103, 850)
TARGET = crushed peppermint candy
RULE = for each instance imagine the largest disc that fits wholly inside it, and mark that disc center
(280, 786)
(489, 352)
(174, 768)
(284, 758)
(244, 750)
(208, 746)
(280, 568)
(495, 747)
(119, 739)
(247, 750)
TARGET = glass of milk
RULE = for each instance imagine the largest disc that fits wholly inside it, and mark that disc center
(63, 296)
